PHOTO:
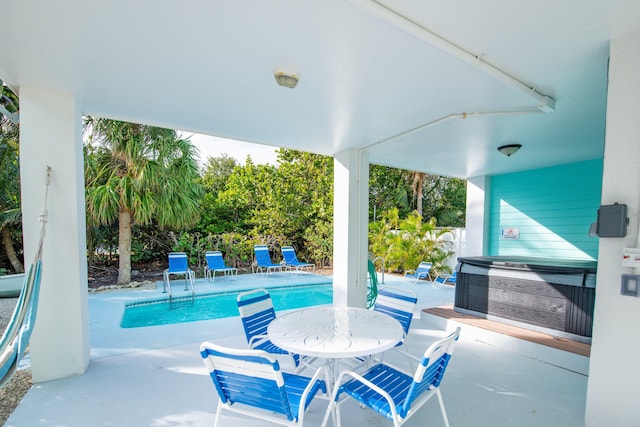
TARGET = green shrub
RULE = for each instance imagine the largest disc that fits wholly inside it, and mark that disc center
(319, 239)
(404, 243)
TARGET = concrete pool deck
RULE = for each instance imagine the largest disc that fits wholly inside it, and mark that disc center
(154, 376)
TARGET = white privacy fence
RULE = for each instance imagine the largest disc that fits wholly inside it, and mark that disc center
(455, 239)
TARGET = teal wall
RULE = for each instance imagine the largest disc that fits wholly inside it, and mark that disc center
(552, 208)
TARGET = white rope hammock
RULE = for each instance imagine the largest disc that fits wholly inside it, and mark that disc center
(16, 337)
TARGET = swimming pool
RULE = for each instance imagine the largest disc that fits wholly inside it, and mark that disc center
(218, 305)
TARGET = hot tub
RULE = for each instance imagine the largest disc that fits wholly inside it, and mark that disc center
(549, 295)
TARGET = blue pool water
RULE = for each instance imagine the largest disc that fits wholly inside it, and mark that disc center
(218, 305)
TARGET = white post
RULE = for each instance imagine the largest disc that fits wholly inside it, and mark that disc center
(350, 218)
(51, 135)
(478, 190)
(612, 391)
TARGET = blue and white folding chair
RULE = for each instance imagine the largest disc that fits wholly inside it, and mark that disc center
(399, 304)
(256, 312)
(291, 260)
(215, 264)
(178, 265)
(422, 272)
(263, 262)
(250, 382)
(396, 303)
(392, 393)
(444, 279)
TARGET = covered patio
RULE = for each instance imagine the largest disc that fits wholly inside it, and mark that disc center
(433, 87)
(154, 376)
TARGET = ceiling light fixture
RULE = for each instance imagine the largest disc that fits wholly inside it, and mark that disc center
(509, 149)
(286, 80)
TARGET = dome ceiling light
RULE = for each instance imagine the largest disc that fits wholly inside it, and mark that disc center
(509, 149)
(289, 80)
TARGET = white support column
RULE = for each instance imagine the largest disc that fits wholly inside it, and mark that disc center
(350, 218)
(478, 191)
(612, 391)
(51, 134)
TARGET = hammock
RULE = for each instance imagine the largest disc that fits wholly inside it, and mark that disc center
(16, 337)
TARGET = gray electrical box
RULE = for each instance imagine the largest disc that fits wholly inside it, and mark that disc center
(630, 285)
(612, 221)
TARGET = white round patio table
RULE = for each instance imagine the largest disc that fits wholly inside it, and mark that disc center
(333, 333)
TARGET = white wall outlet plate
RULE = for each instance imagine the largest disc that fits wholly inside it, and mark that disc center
(631, 257)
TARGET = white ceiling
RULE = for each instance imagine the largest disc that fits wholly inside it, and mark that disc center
(207, 66)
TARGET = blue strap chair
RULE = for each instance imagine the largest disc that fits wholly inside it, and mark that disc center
(422, 272)
(215, 264)
(179, 265)
(445, 279)
(399, 304)
(291, 260)
(263, 262)
(394, 302)
(392, 393)
(250, 382)
(256, 312)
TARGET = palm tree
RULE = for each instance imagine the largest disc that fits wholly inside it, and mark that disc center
(138, 174)
(417, 185)
(9, 219)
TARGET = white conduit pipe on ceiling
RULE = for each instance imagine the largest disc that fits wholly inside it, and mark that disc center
(449, 118)
(545, 103)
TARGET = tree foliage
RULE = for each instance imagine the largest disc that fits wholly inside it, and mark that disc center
(445, 200)
(10, 211)
(291, 204)
(218, 215)
(433, 196)
(388, 189)
(216, 171)
(299, 196)
(138, 174)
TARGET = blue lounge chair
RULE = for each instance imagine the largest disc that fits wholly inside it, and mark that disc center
(399, 304)
(394, 394)
(256, 312)
(179, 266)
(250, 382)
(422, 272)
(263, 262)
(444, 279)
(215, 264)
(291, 260)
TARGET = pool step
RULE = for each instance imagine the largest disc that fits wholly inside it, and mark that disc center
(181, 302)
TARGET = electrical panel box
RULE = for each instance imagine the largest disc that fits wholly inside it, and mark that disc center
(612, 220)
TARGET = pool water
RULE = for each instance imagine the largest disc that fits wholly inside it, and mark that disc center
(218, 305)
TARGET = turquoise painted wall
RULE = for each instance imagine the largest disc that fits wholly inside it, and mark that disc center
(551, 208)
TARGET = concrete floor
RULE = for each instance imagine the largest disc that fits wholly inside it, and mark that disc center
(154, 376)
